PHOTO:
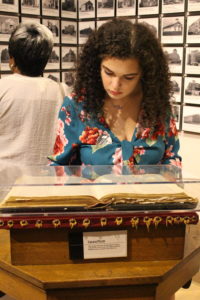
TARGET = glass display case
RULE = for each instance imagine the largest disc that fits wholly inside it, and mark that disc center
(97, 196)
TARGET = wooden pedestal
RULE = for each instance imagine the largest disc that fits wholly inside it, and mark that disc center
(35, 265)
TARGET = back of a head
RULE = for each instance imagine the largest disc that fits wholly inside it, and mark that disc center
(31, 45)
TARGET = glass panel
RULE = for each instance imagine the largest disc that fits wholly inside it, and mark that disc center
(97, 188)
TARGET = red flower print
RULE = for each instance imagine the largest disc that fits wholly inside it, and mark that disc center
(68, 119)
(90, 135)
(135, 157)
(175, 162)
(172, 128)
(82, 116)
(159, 132)
(168, 152)
(61, 140)
(117, 156)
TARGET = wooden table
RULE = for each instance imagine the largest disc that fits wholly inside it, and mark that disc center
(35, 265)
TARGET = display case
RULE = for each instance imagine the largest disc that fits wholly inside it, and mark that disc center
(114, 219)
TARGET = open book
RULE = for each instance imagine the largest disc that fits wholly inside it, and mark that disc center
(104, 193)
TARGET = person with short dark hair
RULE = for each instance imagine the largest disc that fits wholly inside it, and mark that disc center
(29, 103)
(120, 110)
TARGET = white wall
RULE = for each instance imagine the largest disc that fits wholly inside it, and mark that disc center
(190, 152)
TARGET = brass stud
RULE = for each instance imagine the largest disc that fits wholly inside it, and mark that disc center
(103, 222)
(86, 222)
(56, 223)
(72, 223)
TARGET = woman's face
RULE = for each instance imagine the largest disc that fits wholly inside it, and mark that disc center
(120, 77)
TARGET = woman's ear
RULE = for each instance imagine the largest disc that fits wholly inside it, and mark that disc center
(12, 64)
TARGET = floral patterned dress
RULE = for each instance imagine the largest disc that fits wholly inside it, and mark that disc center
(81, 140)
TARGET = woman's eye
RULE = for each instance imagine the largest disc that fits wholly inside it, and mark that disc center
(108, 73)
(129, 77)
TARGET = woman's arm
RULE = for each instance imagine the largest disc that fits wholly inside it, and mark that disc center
(67, 142)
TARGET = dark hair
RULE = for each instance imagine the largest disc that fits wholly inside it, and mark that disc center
(30, 45)
(122, 39)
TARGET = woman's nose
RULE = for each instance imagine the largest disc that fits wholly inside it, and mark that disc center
(116, 82)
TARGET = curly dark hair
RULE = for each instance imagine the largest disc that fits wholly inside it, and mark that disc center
(122, 39)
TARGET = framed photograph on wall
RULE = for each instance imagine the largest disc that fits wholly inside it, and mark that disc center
(175, 58)
(152, 23)
(193, 29)
(69, 32)
(192, 60)
(68, 77)
(54, 60)
(50, 8)
(176, 112)
(30, 7)
(192, 90)
(176, 86)
(4, 58)
(100, 22)
(53, 25)
(27, 19)
(86, 9)
(105, 8)
(126, 8)
(191, 119)
(69, 57)
(85, 28)
(148, 7)
(173, 6)
(55, 76)
(9, 5)
(7, 25)
(172, 29)
(69, 9)
(193, 5)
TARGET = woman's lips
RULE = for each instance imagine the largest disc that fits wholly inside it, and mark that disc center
(114, 93)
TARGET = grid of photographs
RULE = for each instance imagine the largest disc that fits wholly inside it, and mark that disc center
(175, 22)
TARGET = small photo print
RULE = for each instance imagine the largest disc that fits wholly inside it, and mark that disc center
(193, 29)
(173, 6)
(175, 58)
(193, 5)
(85, 29)
(192, 61)
(28, 20)
(30, 7)
(101, 22)
(176, 82)
(192, 90)
(176, 112)
(4, 58)
(53, 25)
(55, 76)
(68, 78)
(191, 119)
(7, 25)
(126, 7)
(148, 7)
(105, 8)
(69, 8)
(54, 60)
(68, 32)
(152, 23)
(86, 9)
(69, 57)
(50, 7)
(9, 5)
(172, 30)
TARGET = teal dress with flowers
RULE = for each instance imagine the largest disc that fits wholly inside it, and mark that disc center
(82, 140)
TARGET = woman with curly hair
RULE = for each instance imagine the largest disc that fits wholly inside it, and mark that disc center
(120, 111)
